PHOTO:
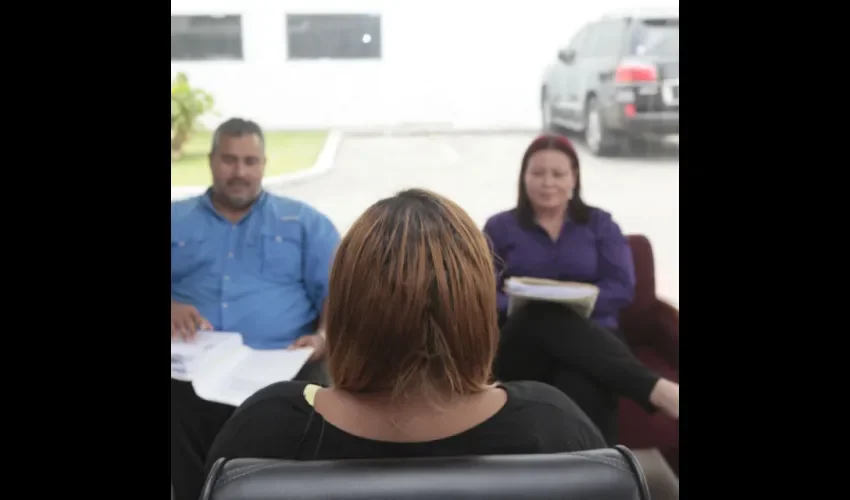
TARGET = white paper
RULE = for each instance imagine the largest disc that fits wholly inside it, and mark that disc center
(185, 355)
(238, 375)
(549, 292)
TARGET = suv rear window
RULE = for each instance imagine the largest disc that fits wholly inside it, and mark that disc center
(657, 37)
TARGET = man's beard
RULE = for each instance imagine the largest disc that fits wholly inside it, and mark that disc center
(237, 202)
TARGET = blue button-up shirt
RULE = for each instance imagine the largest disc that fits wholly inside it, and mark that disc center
(265, 276)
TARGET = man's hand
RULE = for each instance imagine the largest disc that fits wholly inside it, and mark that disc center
(186, 321)
(316, 341)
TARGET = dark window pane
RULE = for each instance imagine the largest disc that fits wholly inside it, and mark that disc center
(658, 37)
(203, 38)
(333, 36)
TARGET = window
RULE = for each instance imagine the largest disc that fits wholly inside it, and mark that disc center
(658, 37)
(333, 36)
(578, 40)
(205, 38)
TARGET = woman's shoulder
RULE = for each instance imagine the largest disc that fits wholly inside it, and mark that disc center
(255, 428)
(598, 216)
(531, 393)
(552, 413)
(501, 220)
(601, 223)
(296, 395)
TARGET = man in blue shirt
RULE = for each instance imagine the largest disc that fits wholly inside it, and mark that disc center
(242, 260)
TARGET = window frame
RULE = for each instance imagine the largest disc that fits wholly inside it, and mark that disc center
(578, 39)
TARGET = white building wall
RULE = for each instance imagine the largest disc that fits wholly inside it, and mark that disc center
(468, 64)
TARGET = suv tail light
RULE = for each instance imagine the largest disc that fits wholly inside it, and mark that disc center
(628, 73)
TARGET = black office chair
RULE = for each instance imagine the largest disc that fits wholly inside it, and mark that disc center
(610, 474)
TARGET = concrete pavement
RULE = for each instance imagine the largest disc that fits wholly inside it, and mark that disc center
(480, 172)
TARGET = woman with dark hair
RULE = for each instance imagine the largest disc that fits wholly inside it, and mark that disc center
(553, 234)
(411, 336)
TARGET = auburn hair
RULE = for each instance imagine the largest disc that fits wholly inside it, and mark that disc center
(577, 209)
(411, 300)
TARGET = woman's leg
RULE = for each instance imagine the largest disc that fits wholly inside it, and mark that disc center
(194, 425)
(542, 333)
(517, 359)
(599, 404)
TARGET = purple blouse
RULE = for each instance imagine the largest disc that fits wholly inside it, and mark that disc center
(596, 252)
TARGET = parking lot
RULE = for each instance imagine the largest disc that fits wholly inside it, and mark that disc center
(480, 172)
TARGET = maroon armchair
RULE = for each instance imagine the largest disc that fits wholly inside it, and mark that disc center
(651, 327)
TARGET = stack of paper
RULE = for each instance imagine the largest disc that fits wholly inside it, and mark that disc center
(232, 377)
(186, 354)
(579, 296)
(224, 370)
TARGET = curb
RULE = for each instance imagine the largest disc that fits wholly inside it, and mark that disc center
(423, 132)
(323, 164)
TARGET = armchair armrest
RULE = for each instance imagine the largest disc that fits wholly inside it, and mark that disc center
(665, 332)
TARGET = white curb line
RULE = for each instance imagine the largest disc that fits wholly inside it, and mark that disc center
(323, 164)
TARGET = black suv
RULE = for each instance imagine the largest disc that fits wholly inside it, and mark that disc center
(616, 80)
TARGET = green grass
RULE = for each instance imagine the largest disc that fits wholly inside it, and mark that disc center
(286, 152)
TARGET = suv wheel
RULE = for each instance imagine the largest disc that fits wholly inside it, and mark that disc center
(599, 139)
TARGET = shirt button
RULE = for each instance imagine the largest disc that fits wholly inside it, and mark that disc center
(230, 255)
(224, 305)
(277, 238)
(181, 244)
(226, 278)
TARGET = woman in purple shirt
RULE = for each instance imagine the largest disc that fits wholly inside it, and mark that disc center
(553, 234)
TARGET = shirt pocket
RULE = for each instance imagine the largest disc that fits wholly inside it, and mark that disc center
(188, 254)
(281, 247)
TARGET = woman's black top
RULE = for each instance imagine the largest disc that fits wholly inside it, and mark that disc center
(280, 422)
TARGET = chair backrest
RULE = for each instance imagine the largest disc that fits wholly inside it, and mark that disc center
(634, 318)
(644, 272)
(610, 474)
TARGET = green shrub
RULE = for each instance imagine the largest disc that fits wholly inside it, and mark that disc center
(188, 105)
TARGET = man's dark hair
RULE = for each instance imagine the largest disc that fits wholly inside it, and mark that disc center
(237, 127)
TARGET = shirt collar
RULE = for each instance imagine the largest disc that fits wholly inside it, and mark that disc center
(206, 202)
